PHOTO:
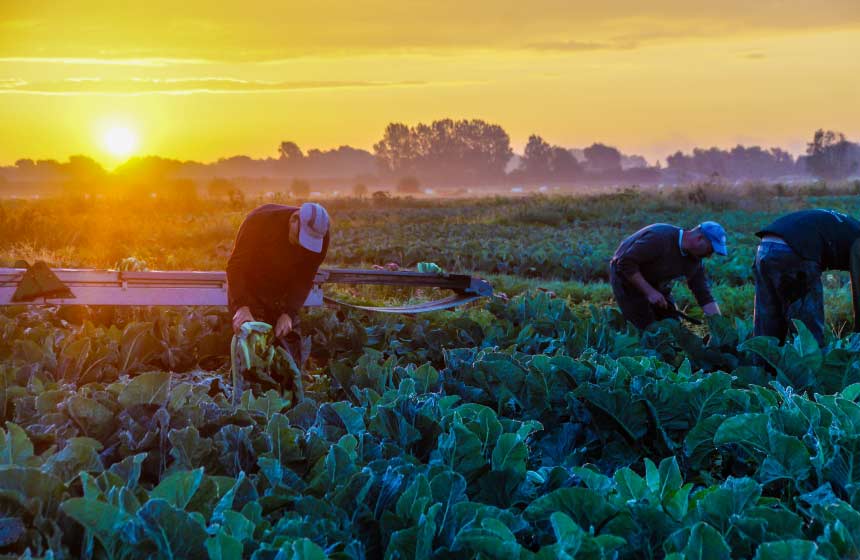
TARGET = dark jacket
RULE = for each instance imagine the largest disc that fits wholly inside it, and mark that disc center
(265, 271)
(823, 236)
(654, 251)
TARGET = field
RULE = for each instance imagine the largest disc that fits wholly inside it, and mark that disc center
(536, 424)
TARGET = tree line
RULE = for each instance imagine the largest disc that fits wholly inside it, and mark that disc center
(447, 152)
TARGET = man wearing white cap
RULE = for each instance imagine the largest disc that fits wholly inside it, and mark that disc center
(645, 264)
(271, 270)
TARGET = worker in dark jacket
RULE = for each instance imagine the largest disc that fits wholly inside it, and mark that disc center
(793, 252)
(271, 270)
(645, 264)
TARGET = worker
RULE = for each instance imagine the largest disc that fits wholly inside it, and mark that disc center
(645, 264)
(271, 269)
(792, 253)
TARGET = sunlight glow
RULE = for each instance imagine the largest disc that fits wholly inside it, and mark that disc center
(120, 141)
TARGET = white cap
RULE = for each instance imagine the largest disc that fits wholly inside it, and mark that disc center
(313, 225)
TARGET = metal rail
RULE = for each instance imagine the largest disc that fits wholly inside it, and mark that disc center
(178, 288)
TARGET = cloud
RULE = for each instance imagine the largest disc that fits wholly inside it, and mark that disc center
(642, 34)
(97, 86)
(575, 46)
(72, 61)
(163, 31)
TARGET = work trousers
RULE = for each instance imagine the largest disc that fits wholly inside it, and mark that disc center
(635, 306)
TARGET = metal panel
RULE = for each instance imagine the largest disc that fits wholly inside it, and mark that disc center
(110, 287)
(140, 294)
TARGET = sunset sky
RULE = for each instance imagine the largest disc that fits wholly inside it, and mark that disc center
(201, 80)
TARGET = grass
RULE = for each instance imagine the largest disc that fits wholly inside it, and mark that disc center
(557, 244)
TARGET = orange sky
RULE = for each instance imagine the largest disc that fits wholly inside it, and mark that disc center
(195, 80)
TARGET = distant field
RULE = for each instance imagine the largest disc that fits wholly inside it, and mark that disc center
(543, 239)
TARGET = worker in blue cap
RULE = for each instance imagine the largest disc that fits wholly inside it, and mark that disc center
(793, 252)
(645, 264)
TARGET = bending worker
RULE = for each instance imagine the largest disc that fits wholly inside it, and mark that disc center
(645, 264)
(271, 270)
(793, 252)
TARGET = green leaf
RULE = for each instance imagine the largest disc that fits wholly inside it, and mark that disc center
(794, 549)
(226, 501)
(416, 541)
(189, 449)
(178, 488)
(851, 392)
(352, 418)
(630, 485)
(594, 479)
(425, 377)
(510, 454)
(129, 469)
(413, 502)
(448, 489)
(97, 420)
(788, 458)
(628, 412)
(808, 351)
(31, 487)
(747, 430)
(718, 505)
(238, 526)
(766, 347)
(568, 534)
(462, 450)
(669, 478)
(482, 421)
(224, 547)
(47, 402)
(15, 447)
(493, 539)
(174, 532)
(586, 507)
(705, 543)
(843, 468)
(101, 518)
(301, 549)
(79, 455)
(136, 347)
(147, 388)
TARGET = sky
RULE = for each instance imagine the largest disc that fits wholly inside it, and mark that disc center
(203, 80)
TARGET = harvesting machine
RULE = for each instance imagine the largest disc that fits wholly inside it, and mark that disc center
(41, 285)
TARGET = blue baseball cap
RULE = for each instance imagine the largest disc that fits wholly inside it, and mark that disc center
(716, 235)
(313, 225)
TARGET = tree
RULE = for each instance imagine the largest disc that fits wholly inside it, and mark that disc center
(290, 151)
(602, 159)
(830, 156)
(537, 159)
(563, 164)
(445, 151)
(396, 152)
(738, 163)
(84, 175)
(359, 190)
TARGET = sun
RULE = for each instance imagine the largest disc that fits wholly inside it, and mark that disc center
(120, 141)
